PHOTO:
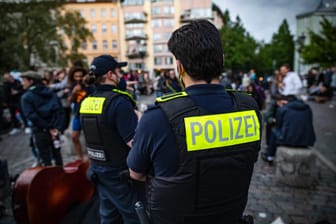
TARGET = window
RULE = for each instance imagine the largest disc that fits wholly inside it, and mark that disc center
(112, 13)
(133, 2)
(167, 1)
(168, 22)
(157, 36)
(104, 28)
(158, 48)
(114, 28)
(169, 60)
(135, 15)
(169, 10)
(94, 45)
(82, 13)
(131, 33)
(105, 45)
(84, 46)
(156, 10)
(156, 23)
(114, 44)
(103, 13)
(200, 13)
(92, 13)
(93, 28)
(135, 25)
(167, 35)
(157, 60)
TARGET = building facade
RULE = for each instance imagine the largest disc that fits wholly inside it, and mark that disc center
(310, 21)
(137, 31)
(103, 19)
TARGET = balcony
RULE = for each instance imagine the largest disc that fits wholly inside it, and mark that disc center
(136, 36)
(133, 53)
(136, 18)
(190, 15)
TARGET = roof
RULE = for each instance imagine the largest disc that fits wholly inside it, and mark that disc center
(325, 7)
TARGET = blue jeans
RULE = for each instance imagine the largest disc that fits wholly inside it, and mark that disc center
(116, 197)
(272, 143)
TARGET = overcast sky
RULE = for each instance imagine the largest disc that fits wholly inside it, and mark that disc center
(262, 18)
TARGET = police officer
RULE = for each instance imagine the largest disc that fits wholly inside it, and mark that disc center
(109, 120)
(196, 149)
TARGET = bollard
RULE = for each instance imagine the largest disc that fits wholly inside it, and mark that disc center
(295, 166)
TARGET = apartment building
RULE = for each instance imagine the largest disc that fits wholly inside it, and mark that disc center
(103, 19)
(137, 31)
(310, 21)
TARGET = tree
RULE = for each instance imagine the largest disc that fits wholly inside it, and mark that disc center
(72, 25)
(282, 44)
(26, 29)
(322, 47)
(279, 51)
(239, 47)
(29, 32)
(264, 61)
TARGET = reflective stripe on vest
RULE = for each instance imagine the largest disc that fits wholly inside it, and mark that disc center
(213, 131)
(96, 154)
(92, 105)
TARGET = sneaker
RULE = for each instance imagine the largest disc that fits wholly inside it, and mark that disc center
(267, 158)
(36, 163)
(28, 130)
(14, 131)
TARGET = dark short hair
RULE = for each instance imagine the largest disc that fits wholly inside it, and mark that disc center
(287, 66)
(198, 47)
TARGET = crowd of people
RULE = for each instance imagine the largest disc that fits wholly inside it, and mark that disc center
(71, 85)
(186, 154)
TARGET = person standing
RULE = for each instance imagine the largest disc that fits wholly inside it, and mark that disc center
(196, 149)
(78, 92)
(291, 83)
(109, 120)
(44, 110)
(13, 91)
(172, 83)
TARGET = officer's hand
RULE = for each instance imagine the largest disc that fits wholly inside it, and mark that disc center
(138, 113)
(53, 133)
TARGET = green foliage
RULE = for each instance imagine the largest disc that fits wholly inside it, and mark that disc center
(25, 31)
(242, 52)
(283, 45)
(74, 31)
(239, 47)
(264, 61)
(322, 47)
(29, 32)
(280, 51)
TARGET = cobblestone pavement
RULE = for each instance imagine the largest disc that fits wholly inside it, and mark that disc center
(268, 199)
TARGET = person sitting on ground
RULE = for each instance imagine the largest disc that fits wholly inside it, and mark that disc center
(293, 126)
(321, 94)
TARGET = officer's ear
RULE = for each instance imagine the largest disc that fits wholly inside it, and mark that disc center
(180, 69)
(110, 75)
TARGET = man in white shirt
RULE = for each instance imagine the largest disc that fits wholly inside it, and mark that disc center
(291, 83)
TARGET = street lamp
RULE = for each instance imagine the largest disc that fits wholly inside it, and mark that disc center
(300, 43)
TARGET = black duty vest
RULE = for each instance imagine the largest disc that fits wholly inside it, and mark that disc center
(217, 154)
(104, 144)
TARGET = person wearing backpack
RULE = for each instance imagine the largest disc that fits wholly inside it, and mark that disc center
(43, 108)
